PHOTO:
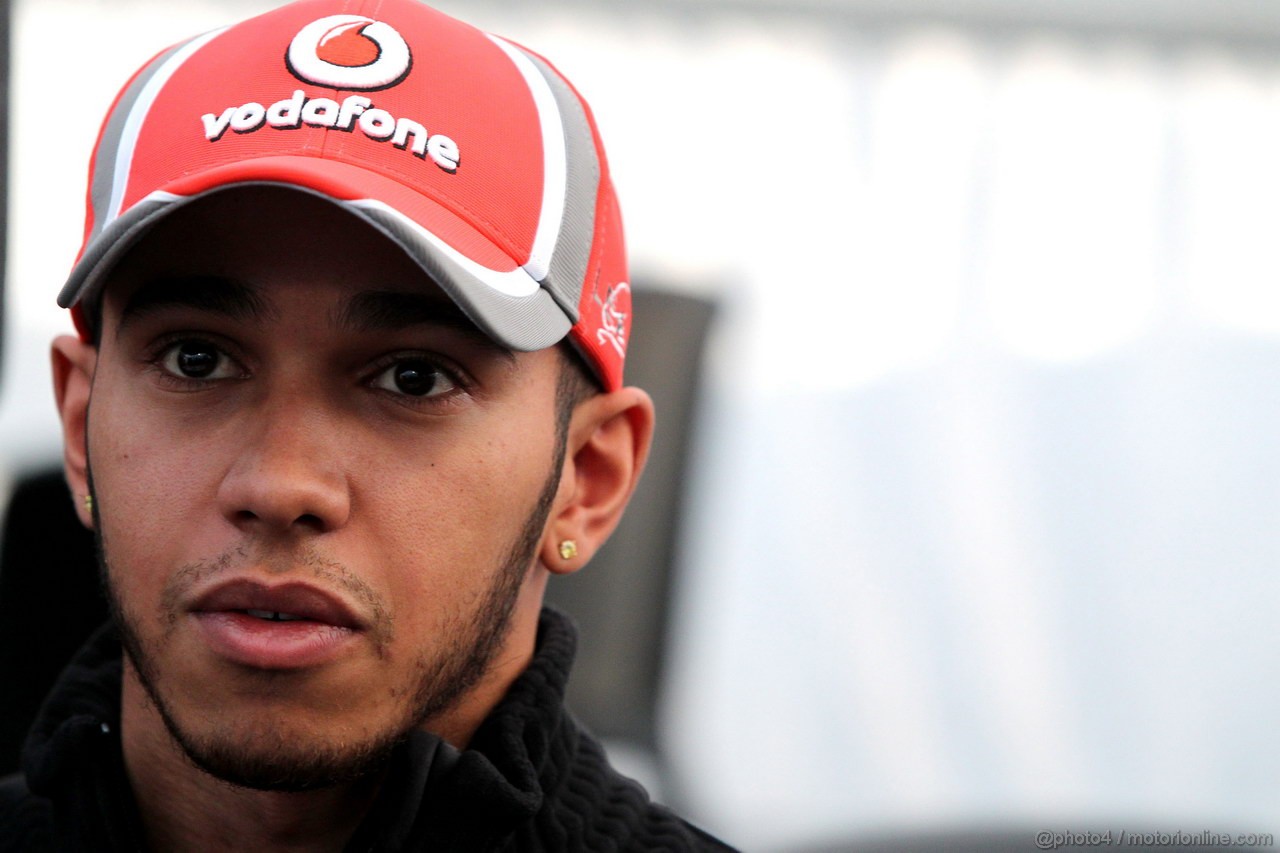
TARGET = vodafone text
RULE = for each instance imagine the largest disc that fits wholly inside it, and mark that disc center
(355, 110)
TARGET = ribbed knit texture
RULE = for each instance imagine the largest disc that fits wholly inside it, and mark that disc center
(530, 780)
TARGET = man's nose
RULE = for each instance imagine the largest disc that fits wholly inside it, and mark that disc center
(287, 474)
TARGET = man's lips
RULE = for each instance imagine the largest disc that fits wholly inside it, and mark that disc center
(295, 600)
(285, 626)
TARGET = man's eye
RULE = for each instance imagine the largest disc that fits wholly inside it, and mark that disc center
(415, 377)
(197, 360)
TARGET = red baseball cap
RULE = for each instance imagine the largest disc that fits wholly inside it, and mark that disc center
(472, 153)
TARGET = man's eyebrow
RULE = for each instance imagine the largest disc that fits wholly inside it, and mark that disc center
(233, 299)
(389, 310)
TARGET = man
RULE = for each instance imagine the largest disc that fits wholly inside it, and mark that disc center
(348, 388)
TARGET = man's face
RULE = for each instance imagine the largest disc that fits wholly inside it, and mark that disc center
(319, 490)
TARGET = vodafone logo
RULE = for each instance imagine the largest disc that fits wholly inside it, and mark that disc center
(341, 52)
(349, 52)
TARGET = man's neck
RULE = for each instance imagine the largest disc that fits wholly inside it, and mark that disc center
(185, 809)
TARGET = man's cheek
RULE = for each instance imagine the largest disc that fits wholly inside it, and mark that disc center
(147, 533)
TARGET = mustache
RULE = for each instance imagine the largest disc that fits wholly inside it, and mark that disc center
(301, 562)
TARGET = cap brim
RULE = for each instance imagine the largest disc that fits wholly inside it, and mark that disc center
(486, 282)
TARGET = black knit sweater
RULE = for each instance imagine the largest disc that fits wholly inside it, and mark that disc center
(531, 778)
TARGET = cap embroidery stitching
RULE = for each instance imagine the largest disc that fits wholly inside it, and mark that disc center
(613, 321)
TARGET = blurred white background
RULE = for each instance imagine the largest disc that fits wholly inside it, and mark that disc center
(986, 522)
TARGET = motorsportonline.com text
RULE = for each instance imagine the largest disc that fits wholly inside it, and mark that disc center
(1046, 840)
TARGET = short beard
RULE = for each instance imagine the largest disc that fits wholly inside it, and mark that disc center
(443, 678)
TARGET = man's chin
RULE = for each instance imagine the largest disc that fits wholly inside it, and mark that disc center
(267, 759)
(264, 748)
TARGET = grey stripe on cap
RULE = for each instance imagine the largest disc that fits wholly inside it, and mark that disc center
(102, 253)
(525, 323)
(104, 157)
(568, 269)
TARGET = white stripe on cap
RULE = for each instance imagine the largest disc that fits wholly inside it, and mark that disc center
(553, 156)
(137, 115)
(517, 282)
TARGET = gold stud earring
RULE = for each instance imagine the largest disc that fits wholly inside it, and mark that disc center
(568, 549)
(88, 504)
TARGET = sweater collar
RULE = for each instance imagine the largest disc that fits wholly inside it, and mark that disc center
(504, 777)
(84, 705)
(432, 792)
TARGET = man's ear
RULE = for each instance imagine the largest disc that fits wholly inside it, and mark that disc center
(73, 364)
(608, 442)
